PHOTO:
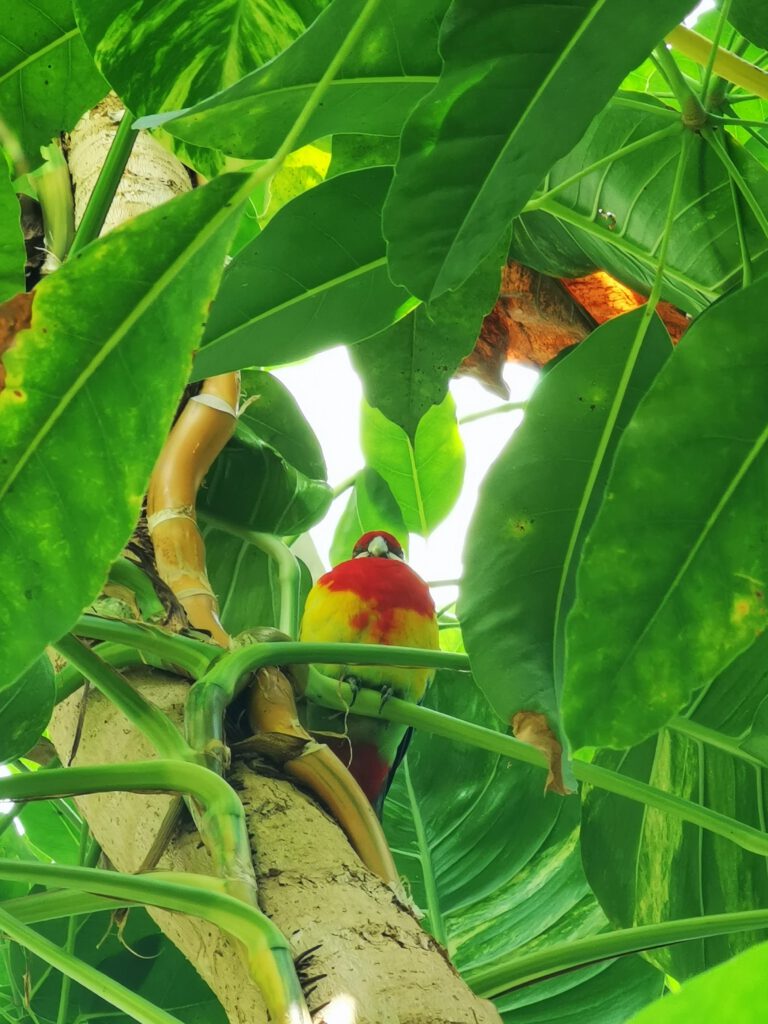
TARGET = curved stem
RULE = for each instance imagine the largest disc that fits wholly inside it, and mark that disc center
(222, 813)
(512, 972)
(115, 655)
(288, 571)
(158, 729)
(340, 696)
(192, 657)
(74, 969)
(694, 114)
(269, 956)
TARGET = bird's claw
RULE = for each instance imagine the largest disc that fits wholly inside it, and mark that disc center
(387, 693)
(355, 686)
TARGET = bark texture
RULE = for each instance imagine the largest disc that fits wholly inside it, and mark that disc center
(151, 177)
(380, 966)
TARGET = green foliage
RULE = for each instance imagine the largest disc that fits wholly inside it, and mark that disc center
(11, 241)
(378, 84)
(47, 76)
(695, 465)
(425, 474)
(736, 990)
(80, 360)
(501, 114)
(616, 563)
(322, 253)
(684, 871)
(535, 509)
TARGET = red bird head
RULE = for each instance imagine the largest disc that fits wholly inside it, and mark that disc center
(378, 544)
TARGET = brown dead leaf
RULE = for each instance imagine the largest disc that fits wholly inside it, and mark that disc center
(15, 316)
(532, 727)
(533, 319)
(603, 297)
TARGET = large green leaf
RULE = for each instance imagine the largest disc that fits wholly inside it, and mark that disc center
(271, 476)
(12, 253)
(486, 894)
(671, 585)
(137, 954)
(751, 19)
(425, 475)
(520, 84)
(385, 75)
(315, 277)
(614, 217)
(734, 992)
(194, 48)
(47, 77)
(532, 514)
(645, 866)
(371, 506)
(25, 708)
(88, 399)
(405, 370)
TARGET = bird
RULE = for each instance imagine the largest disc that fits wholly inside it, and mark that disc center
(372, 598)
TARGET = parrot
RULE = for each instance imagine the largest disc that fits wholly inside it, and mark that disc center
(372, 598)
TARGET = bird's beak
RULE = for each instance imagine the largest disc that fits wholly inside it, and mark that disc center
(378, 547)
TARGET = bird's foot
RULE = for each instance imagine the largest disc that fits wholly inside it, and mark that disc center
(355, 686)
(387, 693)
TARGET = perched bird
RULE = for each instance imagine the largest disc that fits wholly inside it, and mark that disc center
(374, 598)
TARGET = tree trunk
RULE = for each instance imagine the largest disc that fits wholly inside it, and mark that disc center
(380, 967)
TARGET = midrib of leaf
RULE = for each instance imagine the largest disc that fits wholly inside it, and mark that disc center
(305, 296)
(32, 57)
(709, 524)
(580, 221)
(425, 857)
(143, 305)
(527, 113)
(155, 120)
(416, 485)
(618, 401)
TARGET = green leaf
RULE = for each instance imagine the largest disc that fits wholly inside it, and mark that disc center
(47, 77)
(614, 216)
(25, 708)
(138, 955)
(485, 897)
(645, 866)
(194, 48)
(405, 370)
(750, 17)
(12, 253)
(424, 476)
(681, 531)
(315, 277)
(526, 534)
(271, 414)
(735, 992)
(371, 506)
(271, 476)
(49, 832)
(88, 399)
(520, 84)
(393, 66)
